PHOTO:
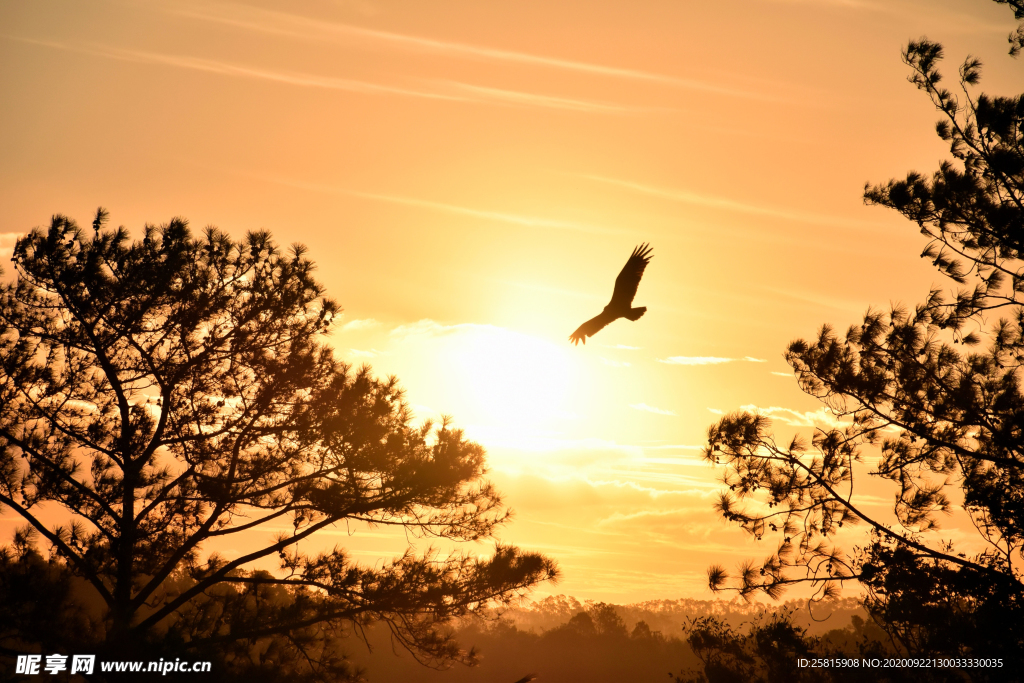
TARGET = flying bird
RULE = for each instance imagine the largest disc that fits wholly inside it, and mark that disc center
(622, 297)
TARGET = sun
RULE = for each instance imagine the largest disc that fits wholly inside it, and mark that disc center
(516, 383)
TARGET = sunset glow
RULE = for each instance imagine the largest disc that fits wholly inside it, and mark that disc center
(469, 177)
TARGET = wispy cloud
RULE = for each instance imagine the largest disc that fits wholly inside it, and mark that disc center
(7, 241)
(782, 374)
(455, 209)
(372, 353)
(650, 409)
(727, 204)
(306, 28)
(797, 418)
(429, 328)
(818, 299)
(516, 219)
(850, 4)
(707, 360)
(360, 324)
(450, 91)
(553, 444)
(654, 492)
(695, 360)
(514, 97)
(640, 514)
(534, 287)
(426, 412)
(238, 70)
(793, 418)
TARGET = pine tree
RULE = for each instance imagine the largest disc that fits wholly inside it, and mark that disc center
(936, 390)
(163, 397)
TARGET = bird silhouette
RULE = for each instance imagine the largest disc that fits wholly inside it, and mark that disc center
(622, 296)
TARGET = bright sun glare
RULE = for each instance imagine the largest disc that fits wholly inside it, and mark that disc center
(518, 384)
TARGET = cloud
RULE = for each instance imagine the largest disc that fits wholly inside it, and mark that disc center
(426, 412)
(690, 520)
(516, 219)
(306, 28)
(819, 299)
(697, 486)
(650, 409)
(852, 4)
(451, 91)
(727, 204)
(640, 514)
(7, 240)
(431, 328)
(498, 216)
(679, 461)
(707, 360)
(552, 444)
(793, 418)
(238, 70)
(694, 360)
(514, 97)
(373, 353)
(534, 287)
(361, 324)
(597, 464)
(796, 418)
(782, 374)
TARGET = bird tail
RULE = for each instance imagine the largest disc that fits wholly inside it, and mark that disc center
(636, 313)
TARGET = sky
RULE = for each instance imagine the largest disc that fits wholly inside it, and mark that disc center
(470, 177)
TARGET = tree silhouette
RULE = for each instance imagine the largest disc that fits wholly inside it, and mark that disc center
(947, 419)
(162, 396)
(767, 653)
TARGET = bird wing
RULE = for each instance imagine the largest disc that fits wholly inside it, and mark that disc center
(629, 278)
(591, 327)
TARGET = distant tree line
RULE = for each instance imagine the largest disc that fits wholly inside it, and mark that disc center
(561, 640)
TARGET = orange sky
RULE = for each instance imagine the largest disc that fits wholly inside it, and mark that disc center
(470, 177)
